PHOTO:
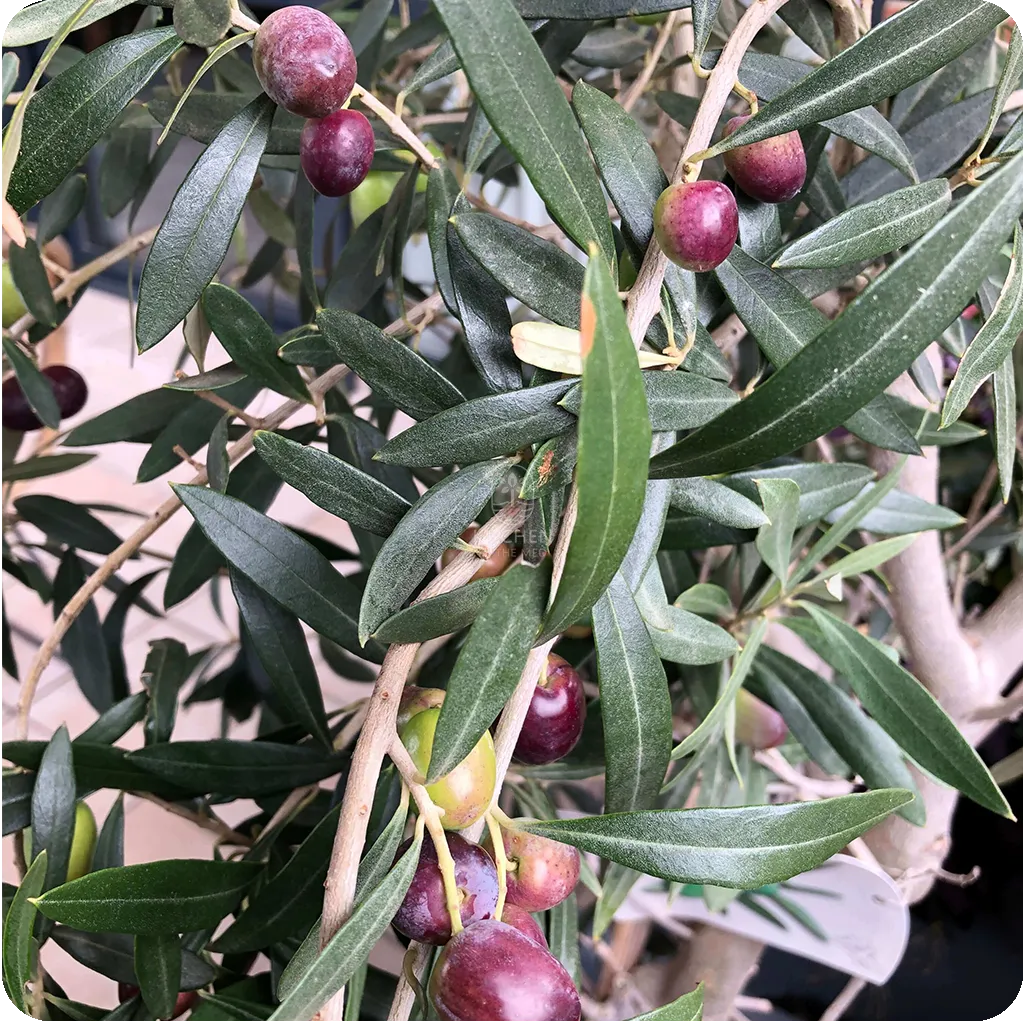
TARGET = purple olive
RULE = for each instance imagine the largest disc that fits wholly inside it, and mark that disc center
(69, 388)
(696, 223)
(492, 971)
(304, 61)
(423, 915)
(336, 152)
(554, 720)
(519, 918)
(772, 170)
(543, 871)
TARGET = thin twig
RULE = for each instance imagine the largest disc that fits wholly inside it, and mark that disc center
(206, 821)
(222, 403)
(844, 1000)
(398, 127)
(985, 521)
(130, 545)
(636, 90)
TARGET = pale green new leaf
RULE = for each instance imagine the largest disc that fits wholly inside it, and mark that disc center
(781, 502)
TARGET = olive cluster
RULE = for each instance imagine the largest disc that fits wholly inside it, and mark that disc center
(305, 64)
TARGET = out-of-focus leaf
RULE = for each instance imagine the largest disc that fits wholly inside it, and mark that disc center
(53, 808)
(283, 565)
(529, 112)
(391, 369)
(44, 465)
(489, 665)
(65, 120)
(158, 968)
(991, 345)
(32, 282)
(151, 899)
(686, 1007)
(636, 708)
(899, 51)
(196, 232)
(866, 348)
(139, 419)
(871, 230)
(812, 21)
(282, 649)
(483, 428)
(37, 389)
(422, 536)
(109, 852)
(736, 847)
(614, 441)
(333, 484)
(908, 712)
(67, 523)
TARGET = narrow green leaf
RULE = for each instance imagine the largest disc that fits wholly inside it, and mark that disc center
(528, 110)
(53, 808)
(37, 389)
(109, 852)
(736, 847)
(283, 652)
(196, 232)
(858, 740)
(564, 936)
(714, 720)
(1004, 400)
(39, 21)
(908, 712)
(82, 647)
(163, 675)
(65, 120)
(139, 419)
(781, 502)
(635, 705)
(288, 901)
(706, 599)
(116, 720)
(992, 344)
(614, 442)
(45, 465)
(11, 65)
(124, 165)
(437, 616)
(288, 568)
(716, 501)
(901, 50)
(250, 342)
(1009, 79)
(704, 13)
(151, 899)
(333, 484)
(158, 968)
(871, 230)
(616, 885)
(66, 522)
(17, 938)
(391, 369)
(812, 21)
(686, 1007)
(687, 639)
(783, 322)
(32, 282)
(236, 767)
(483, 428)
(351, 944)
(489, 665)
(442, 191)
(866, 348)
(937, 143)
(425, 532)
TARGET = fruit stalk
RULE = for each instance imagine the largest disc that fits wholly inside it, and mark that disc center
(398, 127)
(499, 862)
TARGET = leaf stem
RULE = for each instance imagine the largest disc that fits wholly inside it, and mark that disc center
(398, 127)
(500, 861)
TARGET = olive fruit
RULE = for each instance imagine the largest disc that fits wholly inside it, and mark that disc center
(465, 792)
(416, 699)
(13, 306)
(758, 725)
(696, 223)
(542, 871)
(69, 388)
(554, 721)
(492, 971)
(336, 152)
(772, 170)
(423, 915)
(500, 558)
(83, 842)
(519, 918)
(304, 61)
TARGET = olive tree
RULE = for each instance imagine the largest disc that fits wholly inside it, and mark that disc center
(651, 577)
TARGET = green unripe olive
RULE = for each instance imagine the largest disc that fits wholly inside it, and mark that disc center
(376, 188)
(627, 273)
(83, 842)
(14, 308)
(465, 792)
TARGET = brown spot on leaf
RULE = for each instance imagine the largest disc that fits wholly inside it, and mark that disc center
(588, 324)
